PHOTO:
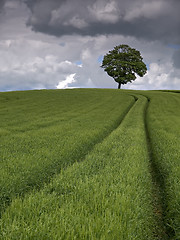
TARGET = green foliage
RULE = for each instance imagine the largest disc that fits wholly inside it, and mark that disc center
(122, 63)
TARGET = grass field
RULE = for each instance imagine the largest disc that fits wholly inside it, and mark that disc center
(90, 164)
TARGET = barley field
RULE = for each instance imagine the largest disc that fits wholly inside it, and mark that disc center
(90, 164)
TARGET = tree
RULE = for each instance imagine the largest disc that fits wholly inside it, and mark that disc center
(122, 63)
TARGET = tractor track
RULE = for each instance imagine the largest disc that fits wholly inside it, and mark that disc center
(159, 195)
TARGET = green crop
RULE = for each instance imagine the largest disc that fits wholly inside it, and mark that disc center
(42, 132)
(106, 196)
(164, 127)
(90, 164)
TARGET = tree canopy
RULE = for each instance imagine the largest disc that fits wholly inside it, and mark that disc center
(123, 63)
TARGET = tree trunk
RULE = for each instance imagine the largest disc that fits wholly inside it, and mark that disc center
(119, 85)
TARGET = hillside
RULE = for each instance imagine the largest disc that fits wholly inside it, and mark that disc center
(90, 164)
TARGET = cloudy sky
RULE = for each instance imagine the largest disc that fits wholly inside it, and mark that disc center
(49, 44)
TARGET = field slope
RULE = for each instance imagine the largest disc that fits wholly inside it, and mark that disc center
(89, 164)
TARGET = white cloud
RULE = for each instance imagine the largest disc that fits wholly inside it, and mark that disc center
(28, 64)
(105, 12)
(65, 84)
(159, 76)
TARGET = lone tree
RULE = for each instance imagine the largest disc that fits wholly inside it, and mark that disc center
(122, 63)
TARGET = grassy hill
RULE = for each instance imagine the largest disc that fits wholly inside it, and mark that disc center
(90, 164)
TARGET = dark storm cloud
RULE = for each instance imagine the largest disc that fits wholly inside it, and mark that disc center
(2, 2)
(153, 20)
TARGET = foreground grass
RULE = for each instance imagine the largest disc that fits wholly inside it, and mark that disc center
(163, 121)
(42, 132)
(164, 128)
(106, 196)
(68, 178)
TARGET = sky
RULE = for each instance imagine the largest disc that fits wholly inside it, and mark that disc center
(59, 44)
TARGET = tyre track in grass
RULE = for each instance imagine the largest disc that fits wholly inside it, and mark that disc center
(159, 195)
(5, 202)
(129, 124)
